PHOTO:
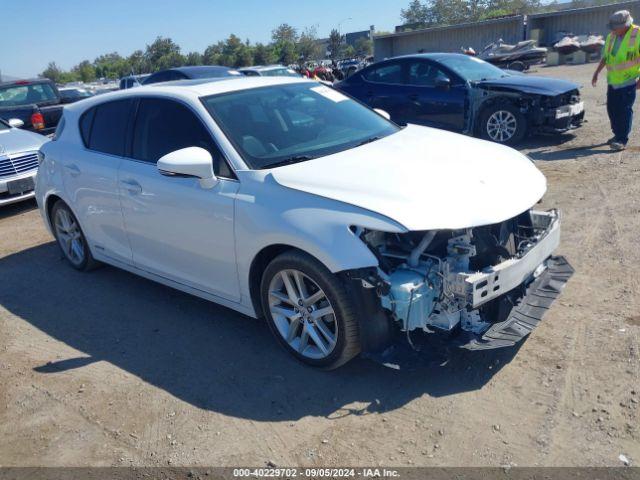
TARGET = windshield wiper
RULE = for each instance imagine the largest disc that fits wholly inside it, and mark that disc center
(288, 161)
(369, 140)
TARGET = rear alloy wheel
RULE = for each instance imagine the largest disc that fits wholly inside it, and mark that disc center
(308, 311)
(70, 238)
(503, 124)
(517, 66)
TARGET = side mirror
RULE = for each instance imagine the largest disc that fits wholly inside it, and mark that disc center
(443, 83)
(192, 162)
(16, 122)
(382, 113)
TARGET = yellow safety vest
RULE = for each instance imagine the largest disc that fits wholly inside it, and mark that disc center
(625, 64)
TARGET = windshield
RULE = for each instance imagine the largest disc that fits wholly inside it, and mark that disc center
(473, 69)
(271, 126)
(15, 95)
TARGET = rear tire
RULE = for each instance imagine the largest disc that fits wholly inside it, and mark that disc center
(309, 311)
(503, 123)
(70, 238)
(517, 66)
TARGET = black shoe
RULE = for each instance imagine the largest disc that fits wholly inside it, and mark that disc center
(611, 140)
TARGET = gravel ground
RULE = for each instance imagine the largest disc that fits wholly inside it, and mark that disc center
(110, 369)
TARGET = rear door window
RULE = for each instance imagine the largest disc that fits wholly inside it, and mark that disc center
(109, 127)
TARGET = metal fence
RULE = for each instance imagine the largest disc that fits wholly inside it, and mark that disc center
(450, 38)
(579, 21)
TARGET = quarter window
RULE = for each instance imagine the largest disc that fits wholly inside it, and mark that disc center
(109, 127)
(59, 129)
(163, 126)
(85, 125)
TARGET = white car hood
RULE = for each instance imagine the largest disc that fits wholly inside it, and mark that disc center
(424, 179)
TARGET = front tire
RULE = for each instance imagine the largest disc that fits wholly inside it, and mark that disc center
(503, 123)
(70, 238)
(308, 310)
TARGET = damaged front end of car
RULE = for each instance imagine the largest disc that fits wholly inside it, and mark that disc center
(545, 113)
(486, 286)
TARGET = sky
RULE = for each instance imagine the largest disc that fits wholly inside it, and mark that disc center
(36, 32)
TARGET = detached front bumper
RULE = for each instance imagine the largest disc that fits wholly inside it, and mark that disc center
(527, 312)
(540, 275)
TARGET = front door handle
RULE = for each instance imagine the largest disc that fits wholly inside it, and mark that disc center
(131, 186)
(73, 169)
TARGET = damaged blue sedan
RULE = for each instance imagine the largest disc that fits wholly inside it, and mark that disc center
(465, 94)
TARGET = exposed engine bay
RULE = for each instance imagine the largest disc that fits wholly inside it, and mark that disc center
(468, 279)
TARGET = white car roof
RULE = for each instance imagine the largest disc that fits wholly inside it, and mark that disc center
(191, 89)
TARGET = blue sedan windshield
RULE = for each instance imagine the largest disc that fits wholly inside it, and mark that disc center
(277, 125)
(472, 69)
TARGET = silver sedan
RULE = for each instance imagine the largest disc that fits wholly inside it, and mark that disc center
(18, 161)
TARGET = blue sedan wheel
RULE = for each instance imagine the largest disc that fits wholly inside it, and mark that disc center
(503, 123)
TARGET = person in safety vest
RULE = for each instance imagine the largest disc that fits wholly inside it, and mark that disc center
(621, 57)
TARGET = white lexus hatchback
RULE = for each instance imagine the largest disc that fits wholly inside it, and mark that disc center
(283, 198)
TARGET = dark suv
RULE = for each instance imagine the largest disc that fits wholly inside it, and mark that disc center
(36, 102)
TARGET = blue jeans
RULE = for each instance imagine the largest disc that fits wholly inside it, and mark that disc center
(620, 110)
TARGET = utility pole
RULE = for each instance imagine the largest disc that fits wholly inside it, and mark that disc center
(341, 22)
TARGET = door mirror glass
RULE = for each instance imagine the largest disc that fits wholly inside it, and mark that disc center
(194, 162)
(382, 113)
(16, 122)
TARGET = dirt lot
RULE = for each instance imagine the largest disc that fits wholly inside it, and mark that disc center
(110, 369)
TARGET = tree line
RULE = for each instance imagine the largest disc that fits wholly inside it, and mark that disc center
(288, 46)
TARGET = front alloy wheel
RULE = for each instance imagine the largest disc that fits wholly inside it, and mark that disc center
(501, 126)
(302, 314)
(503, 123)
(309, 311)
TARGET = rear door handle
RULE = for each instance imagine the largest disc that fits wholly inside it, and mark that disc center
(131, 186)
(73, 169)
(413, 96)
